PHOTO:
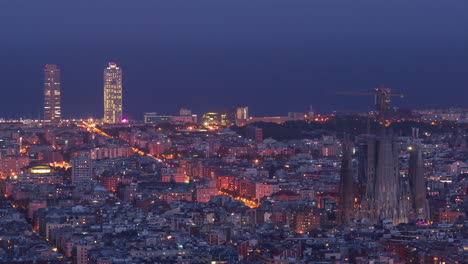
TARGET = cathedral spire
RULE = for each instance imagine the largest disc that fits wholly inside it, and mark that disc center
(346, 208)
(416, 178)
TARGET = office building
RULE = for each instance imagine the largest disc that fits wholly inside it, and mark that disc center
(112, 94)
(221, 117)
(52, 93)
(254, 133)
(242, 114)
(155, 118)
(82, 169)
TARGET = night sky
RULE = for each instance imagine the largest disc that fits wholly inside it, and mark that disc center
(274, 56)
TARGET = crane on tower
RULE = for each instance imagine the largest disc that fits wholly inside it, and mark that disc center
(382, 100)
(382, 97)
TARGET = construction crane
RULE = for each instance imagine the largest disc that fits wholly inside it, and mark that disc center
(382, 102)
(382, 98)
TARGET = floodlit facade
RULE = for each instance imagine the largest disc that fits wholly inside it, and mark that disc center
(52, 96)
(112, 94)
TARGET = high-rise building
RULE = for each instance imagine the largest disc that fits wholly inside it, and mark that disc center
(82, 169)
(52, 107)
(112, 94)
(222, 117)
(242, 113)
(254, 133)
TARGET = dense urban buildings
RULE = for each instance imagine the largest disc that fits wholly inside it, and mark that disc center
(52, 93)
(388, 186)
(112, 94)
(243, 140)
(344, 189)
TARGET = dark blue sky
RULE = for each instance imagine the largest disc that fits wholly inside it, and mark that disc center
(271, 55)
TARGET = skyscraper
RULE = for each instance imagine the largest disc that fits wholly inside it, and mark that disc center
(112, 94)
(242, 114)
(82, 169)
(52, 108)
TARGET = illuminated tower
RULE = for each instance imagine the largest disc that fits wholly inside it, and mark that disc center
(242, 114)
(52, 108)
(112, 94)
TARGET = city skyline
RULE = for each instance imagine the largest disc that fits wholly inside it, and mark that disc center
(113, 98)
(203, 60)
(233, 132)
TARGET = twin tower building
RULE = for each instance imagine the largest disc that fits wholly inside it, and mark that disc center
(112, 94)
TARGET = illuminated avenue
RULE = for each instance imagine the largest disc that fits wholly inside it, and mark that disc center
(228, 187)
(183, 174)
(388, 185)
(233, 132)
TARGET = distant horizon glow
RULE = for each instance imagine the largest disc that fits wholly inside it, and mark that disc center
(274, 56)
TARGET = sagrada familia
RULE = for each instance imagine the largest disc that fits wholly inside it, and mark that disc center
(375, 189)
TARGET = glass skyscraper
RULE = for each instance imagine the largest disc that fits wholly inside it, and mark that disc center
(112, 94)
(52, 96)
